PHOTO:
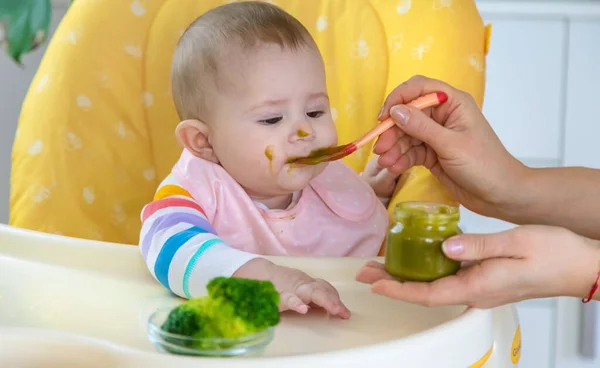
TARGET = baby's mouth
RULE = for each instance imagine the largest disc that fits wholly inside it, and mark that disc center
(292, 164)
(315, 153)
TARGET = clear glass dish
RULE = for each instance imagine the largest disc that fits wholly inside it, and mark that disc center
(252, 345)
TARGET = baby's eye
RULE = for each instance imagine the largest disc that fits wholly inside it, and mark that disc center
(271, 121)
(314, 114)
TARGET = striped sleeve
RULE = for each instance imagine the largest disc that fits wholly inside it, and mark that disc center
(179, 245)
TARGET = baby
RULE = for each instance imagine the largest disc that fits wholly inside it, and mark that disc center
(249, 87)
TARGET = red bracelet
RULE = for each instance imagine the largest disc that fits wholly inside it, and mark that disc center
(594, 288)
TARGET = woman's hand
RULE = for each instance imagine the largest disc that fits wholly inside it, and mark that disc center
(523, 263)
(455, 142)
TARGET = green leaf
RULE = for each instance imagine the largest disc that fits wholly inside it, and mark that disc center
(39, 22)
(26, 24)
(9, 6)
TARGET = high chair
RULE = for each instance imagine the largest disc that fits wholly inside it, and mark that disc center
(96, 136)
(96, 132)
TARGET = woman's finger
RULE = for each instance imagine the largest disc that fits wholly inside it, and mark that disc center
(498, 279)
(422, 127)
(415, 87)
(421, 155)
(375, 264)
(401, 146)
(451, 290)
(415, 142)
(387, 140)
(372, 273)
(474, 247)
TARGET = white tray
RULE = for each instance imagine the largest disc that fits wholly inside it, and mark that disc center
(70, 302)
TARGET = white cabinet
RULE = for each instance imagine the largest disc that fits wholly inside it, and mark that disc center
(525, 78)
(578, 326)
(538, 321)
(582, 123)
(541, 98)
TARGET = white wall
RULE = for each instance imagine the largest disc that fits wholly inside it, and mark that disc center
(14, 82)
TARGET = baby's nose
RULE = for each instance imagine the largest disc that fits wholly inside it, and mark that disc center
(304, 131)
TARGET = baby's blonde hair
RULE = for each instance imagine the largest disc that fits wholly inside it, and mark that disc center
(200, 51)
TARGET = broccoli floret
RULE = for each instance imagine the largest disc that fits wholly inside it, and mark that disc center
(233, 308)
(254, 302)
(190, 318)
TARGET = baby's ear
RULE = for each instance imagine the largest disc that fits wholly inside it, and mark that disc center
(193, 135)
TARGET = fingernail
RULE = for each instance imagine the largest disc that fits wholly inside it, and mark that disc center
(453, 246)
(400, 114)
(380, 113)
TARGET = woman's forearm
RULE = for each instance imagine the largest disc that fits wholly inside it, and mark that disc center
(568, 197)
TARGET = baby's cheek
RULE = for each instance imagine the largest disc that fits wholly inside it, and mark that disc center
(272, 159)
(329, 135)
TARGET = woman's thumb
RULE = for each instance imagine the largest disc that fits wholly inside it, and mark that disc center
(415, 123)
(476, 247)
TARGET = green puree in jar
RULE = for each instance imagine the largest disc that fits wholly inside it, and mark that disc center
(414, 241)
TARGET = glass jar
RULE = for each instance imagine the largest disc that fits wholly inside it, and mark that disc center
(414, 241)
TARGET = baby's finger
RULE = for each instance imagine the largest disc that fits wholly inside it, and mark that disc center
(292, 302)
(328, 287)
(372, 273)
(387, 178)
(373, 168)
(321, 297)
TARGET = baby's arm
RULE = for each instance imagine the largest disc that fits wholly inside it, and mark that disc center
(380, 179)
(183, 252)
(181, 248)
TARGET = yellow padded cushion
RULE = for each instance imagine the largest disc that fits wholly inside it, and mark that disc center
(443, 39)
(96, 131)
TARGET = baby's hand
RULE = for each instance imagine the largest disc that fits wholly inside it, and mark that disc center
(380, 179)
(298, 290)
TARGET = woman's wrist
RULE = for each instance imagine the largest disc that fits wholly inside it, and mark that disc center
(586, 272)
(517, 201)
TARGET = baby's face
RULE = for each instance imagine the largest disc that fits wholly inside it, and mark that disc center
(274, 106)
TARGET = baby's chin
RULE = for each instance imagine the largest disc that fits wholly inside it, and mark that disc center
(295, 177)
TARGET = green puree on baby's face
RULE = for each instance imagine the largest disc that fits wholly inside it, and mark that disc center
(269, 152)
(302, 133)
(414, 241)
